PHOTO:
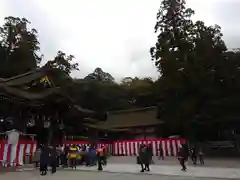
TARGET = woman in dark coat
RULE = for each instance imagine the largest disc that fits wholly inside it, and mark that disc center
(44, 160)
(147, 157)
(150, 153)
(144, 158)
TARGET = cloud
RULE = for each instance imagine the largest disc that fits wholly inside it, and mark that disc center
(222, 12)
(112, 34)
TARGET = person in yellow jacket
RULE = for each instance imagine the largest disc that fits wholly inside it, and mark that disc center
(100, 158)
(73, 153)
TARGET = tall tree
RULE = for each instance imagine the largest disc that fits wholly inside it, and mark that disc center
(99, 75)
(19, 47)
(169, 54)
(63, 62)
(173, 27)
(190, 58)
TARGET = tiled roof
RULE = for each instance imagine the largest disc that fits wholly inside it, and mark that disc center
(27, 95)
(25, 77)
(131, 118)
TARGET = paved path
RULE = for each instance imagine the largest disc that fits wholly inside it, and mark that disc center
(163, 170)
(201, 172)
(214, 168)
(84, 175)
(172, 161)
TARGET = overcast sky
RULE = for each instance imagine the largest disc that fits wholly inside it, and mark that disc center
(112, 34)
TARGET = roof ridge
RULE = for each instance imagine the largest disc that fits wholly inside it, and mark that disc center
(21, 75)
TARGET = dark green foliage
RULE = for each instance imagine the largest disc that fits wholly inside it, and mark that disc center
(19, 50)
(100, 76)
(63, 62)
(19, 47)
(198, 82)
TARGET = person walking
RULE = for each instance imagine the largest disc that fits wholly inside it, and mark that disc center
(58, 150)
(100, 158)
(93, 156)
(90, 156)
(161, 156)
(200, 155)
(149, 154)
(53, 159)
(141, 157)
(44, 160)
(144, 158)
(62, 156)
(104, 148)
(182, 157)
(64, 159)
(148, 157)
(194, 155)
(73, 156)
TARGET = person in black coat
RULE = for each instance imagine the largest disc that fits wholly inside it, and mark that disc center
(44, 160)
(65, 156)
(148, 157)
(54, 159)
(194, 155)
(142, 157)
(150, 153)
(182, 157)
(161, 155)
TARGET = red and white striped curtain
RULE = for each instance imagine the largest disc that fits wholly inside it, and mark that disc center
(131, 147)
(15, 155)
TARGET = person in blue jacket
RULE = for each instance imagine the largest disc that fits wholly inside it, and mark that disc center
(91, 156)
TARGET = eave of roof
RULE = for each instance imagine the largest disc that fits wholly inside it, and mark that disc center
(133, 118)
(105, 129)
(131, 125)
(25, 77)
(28, 95)
(133, 110)
(90, 120)
(79, 108)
